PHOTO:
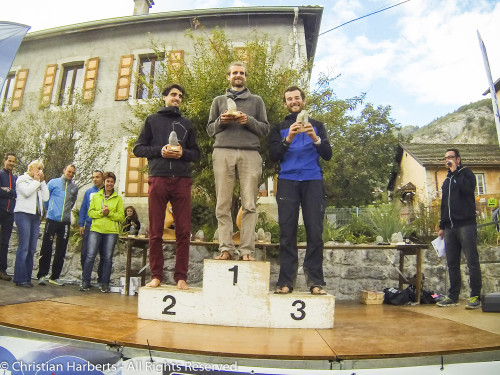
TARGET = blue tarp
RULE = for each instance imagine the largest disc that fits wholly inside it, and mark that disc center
(11, 36)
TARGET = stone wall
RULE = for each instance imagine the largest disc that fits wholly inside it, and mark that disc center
(346, 271)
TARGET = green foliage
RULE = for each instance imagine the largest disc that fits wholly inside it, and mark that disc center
(385, 220)
(363, 146)
(488, 234)
(58, 136)
(204, 76)
(426, 223)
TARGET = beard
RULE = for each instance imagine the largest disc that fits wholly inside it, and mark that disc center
(238, 82)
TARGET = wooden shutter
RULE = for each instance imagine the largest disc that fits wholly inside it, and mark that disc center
(48, 84)
(175, 62)
(136, 184)
(241, 54)
(124, 77)
(90, 79)
(17, 95)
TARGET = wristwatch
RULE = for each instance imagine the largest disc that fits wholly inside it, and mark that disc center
(284, 142)
(318, 142)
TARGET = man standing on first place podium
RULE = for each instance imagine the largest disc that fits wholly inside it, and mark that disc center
(298, 145)
(169, 180)
(237, 153)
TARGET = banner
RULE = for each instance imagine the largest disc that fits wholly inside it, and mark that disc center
(11, 36)
(493, 92)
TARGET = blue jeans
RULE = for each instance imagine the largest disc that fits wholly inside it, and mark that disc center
(106, 242)
(456, 241)
(85, 245)
(28, 228)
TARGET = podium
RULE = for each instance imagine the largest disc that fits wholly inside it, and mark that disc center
(236, 293)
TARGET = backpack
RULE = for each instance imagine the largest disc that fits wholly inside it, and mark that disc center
(394, 296)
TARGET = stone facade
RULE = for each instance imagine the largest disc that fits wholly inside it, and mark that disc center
(346, 271)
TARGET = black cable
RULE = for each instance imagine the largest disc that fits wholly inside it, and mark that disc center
(366, 15)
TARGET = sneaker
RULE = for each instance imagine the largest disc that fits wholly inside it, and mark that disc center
(84, 288)
(474, 303)
(447, 302)
(42, 280)
(57, 282)
(4, 276)
(105, 288)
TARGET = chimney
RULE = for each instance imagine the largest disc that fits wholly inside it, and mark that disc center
(141, 7)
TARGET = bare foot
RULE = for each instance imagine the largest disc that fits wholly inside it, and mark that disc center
(181, 284)
(154, 283)
(247, 257)
(225, 255)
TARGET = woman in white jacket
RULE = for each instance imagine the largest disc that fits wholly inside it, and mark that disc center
(31, 193)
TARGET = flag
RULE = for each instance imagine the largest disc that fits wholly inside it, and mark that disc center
(493, 92)
(11, 36)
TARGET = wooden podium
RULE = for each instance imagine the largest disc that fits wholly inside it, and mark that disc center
(236, 293)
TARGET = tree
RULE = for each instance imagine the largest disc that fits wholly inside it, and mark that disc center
(203, 76)
(58, 136)
(363, 146)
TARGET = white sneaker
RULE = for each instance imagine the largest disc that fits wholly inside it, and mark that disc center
(42, 280)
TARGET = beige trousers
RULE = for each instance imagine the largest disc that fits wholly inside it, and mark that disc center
(247, 166)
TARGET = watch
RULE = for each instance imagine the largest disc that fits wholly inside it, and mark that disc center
(284, 142)
(318, 142)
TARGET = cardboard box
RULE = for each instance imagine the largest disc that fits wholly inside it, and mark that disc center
(371, 297)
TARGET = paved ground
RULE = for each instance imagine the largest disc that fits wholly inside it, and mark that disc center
(12, 294)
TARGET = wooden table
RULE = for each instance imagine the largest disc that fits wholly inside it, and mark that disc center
(411, 249)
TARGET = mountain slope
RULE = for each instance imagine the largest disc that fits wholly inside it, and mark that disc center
(471, 123)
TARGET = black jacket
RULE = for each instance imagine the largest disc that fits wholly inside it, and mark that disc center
(458, 204)
(155, 134)
(7, 198)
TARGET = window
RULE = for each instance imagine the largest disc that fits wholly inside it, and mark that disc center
(150, 68)
(72, 79)
(7, 91)
(480, 184)
(136, 184)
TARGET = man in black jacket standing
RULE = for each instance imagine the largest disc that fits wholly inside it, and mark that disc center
(169, 180)
(7, 203)
(458, 226)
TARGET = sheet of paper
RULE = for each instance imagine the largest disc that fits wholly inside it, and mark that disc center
(438, 245)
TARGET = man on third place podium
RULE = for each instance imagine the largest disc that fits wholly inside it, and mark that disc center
(298, 145)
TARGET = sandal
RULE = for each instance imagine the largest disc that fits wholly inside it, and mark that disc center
(283, 290)
(317, 290)
(247, 257)
(224, 255)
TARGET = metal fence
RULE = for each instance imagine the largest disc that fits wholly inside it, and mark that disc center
(343, 216)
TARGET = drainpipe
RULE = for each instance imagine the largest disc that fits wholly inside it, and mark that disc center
(295, 37)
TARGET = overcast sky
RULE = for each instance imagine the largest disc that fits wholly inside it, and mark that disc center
(422, 57)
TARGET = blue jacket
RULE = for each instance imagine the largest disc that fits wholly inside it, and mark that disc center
(83, 215)
(7, 199)
(63, 194)
(299, 161)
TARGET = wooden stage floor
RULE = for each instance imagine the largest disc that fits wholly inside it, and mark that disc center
(360, 332)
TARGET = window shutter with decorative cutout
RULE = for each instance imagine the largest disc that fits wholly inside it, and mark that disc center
(124, 77)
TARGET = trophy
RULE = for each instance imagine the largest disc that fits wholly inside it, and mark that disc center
(173, 141)
(303, 118)
(231, 107)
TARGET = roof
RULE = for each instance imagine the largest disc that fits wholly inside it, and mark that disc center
(311, 16)
(471, 154)
(496, 85)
